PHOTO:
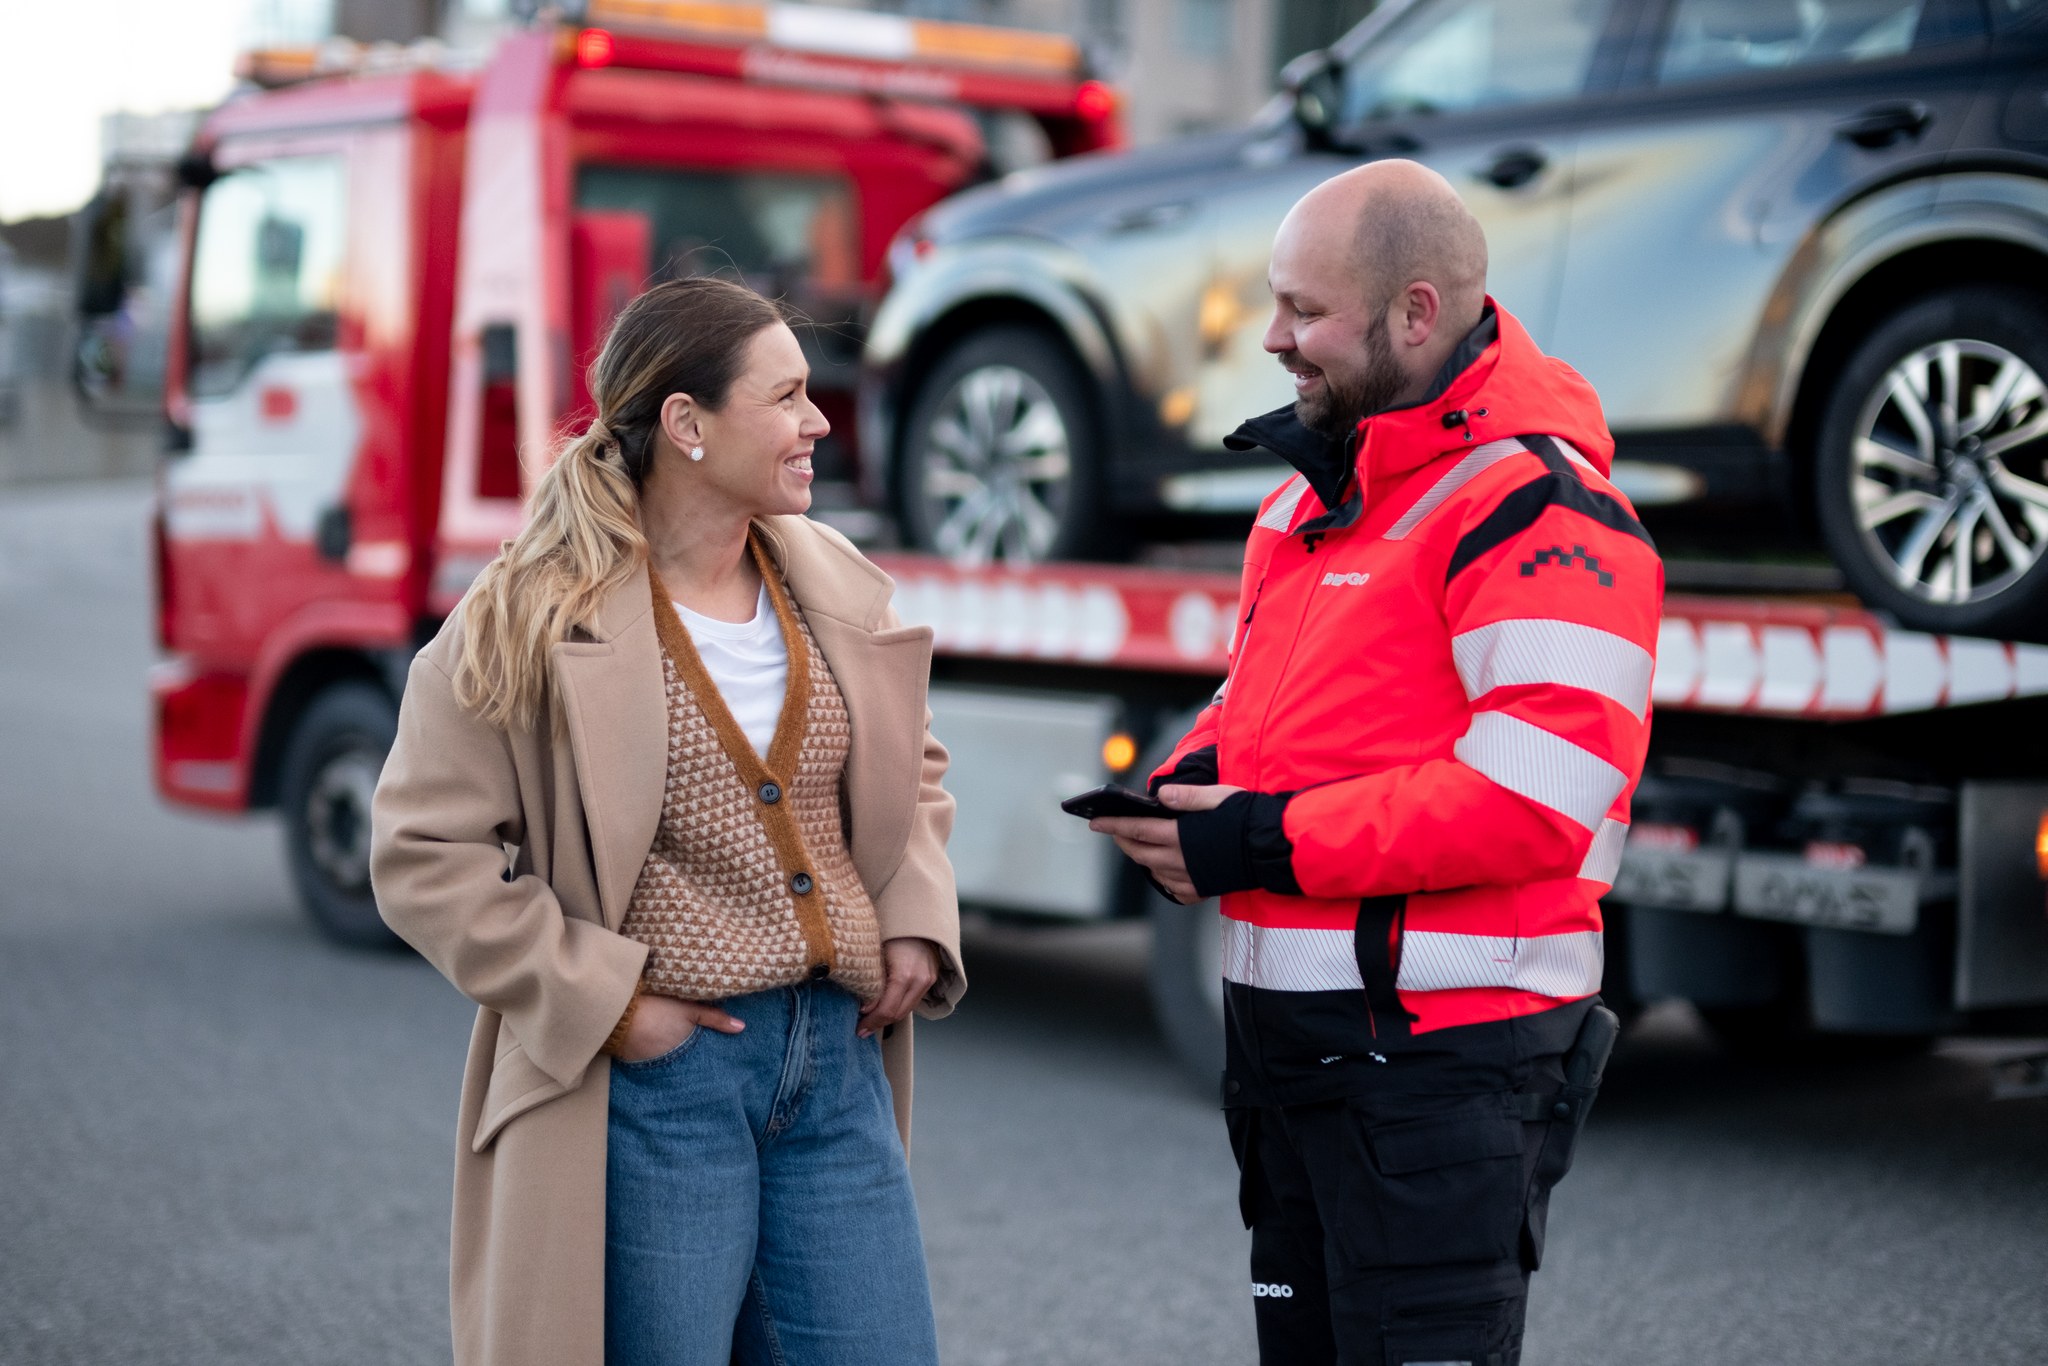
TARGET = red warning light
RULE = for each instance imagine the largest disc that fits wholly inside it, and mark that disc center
(1094, 101)
(593, 48)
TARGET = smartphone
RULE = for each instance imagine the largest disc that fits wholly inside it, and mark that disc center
(1111, 800)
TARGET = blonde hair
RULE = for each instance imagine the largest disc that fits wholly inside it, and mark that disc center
(582, 538)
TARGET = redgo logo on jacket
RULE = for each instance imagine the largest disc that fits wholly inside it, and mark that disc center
(1334, 580)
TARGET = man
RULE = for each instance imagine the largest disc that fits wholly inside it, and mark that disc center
(1413, 787)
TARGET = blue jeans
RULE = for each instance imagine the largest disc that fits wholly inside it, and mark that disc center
(757, 1205)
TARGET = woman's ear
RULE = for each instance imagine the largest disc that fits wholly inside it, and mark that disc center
(681, 422)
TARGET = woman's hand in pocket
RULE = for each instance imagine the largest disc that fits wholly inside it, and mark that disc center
(661, 1024)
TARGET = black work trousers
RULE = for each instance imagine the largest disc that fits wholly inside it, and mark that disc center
(1392, 1230)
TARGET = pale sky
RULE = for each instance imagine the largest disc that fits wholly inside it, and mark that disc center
(63, 63)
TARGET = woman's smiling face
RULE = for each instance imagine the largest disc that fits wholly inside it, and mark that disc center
(758, 446)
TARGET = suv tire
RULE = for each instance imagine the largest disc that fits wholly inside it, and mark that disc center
(330, 768)
(999, 457)
(1942, 520)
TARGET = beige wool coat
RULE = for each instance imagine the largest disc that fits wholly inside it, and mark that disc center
(507, 860)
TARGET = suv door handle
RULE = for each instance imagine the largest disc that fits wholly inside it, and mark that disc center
(1884, 125)
(1151, 217)
(1515, 167)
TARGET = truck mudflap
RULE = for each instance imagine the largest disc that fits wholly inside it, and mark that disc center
(1883, 907)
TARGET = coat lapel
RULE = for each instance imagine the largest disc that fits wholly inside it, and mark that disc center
(882, 671)
(615, 706)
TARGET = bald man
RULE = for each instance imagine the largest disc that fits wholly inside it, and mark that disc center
(1413, 787)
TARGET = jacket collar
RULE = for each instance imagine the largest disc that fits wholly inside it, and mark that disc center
(1328, 463)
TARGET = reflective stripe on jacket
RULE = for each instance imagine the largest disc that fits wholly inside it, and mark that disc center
(1439, 704)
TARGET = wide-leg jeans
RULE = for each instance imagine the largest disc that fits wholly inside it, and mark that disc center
(758, 1208)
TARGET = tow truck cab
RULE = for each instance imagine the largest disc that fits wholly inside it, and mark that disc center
(398, 265)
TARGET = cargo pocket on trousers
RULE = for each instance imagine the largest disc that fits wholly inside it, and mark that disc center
(1474, 1335)
(1447, 1187)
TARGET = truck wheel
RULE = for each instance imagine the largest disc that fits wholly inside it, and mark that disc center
(1932, 469)
(331, 763)
(1187, 985)
(999, 454)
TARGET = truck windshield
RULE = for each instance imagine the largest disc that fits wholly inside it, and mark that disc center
(786, 234)
(266, 270)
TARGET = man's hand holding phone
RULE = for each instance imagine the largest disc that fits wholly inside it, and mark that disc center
(1153, 842)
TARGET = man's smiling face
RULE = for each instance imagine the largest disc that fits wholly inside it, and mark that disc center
(1328, 330)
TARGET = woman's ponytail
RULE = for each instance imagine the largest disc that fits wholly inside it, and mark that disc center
(582, 539)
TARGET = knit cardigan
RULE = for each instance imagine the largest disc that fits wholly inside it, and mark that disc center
(749, 884)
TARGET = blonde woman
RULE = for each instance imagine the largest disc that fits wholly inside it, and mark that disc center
(665, 804)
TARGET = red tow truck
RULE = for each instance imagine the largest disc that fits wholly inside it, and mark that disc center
(396, 273)
(398, 262)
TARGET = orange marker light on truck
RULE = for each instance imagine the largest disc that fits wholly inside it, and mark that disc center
(1119, 752)
(593, 48)
(2041, 846)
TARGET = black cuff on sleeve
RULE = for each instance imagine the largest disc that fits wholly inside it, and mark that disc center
(1239, 845)
(1197, 768)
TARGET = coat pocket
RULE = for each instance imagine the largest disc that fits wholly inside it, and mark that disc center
(516, 1086)
(1447, 1186)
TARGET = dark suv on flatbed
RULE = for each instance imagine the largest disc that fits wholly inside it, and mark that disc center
(1799, 246)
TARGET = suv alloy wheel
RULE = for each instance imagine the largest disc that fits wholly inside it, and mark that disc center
(1933, 465)
(999, 453)
(331, 764)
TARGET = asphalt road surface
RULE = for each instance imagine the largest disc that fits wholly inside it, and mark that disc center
(223, 1141)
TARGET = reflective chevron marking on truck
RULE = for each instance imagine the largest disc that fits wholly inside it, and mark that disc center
(1826, 663)
(1712, 655)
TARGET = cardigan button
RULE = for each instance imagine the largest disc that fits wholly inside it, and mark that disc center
(770, 793)
(820, 970)
(801, 884)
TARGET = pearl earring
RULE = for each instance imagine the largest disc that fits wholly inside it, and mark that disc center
(696, 452)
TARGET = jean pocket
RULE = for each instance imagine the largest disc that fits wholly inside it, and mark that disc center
(1443, 1187)
(660, 1059)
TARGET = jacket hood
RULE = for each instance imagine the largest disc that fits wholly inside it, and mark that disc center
(1497, 384)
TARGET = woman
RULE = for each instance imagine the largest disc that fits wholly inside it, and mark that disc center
(664, 803)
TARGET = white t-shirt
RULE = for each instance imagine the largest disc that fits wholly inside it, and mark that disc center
(749, 664)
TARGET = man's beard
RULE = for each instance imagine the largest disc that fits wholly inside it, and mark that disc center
(1339, 406)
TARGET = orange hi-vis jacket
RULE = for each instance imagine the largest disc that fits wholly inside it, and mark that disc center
(1438, 703)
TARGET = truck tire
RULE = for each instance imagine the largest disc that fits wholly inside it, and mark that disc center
(330, 767)
(999, 456)
(1187, 985)
(1932, 469)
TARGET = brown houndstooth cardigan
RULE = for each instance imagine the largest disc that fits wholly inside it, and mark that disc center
(749, 885)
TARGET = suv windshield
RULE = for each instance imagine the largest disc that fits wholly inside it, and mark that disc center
(1447, 56)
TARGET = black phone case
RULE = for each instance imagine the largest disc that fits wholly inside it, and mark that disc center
(1111, 800)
